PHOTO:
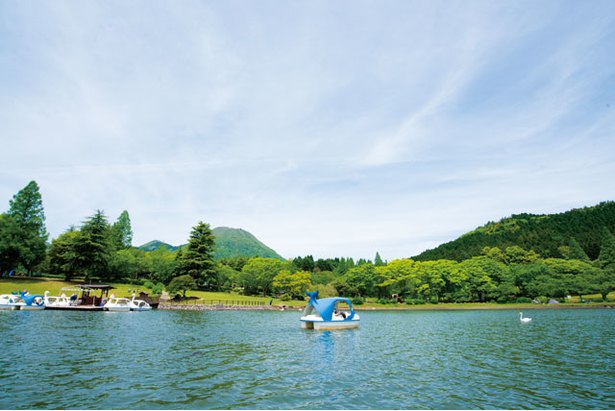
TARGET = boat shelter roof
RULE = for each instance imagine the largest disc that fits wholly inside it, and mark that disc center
(96, 286)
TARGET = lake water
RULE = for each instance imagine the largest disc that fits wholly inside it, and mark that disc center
(264, 360)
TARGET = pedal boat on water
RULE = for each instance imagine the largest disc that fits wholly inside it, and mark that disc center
(22, 301)
(326, 314)
(52, 301)
(118, 304)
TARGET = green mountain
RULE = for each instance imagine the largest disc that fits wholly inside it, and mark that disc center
(230, 242)
(155, 245)
(544, 234)
(235, 242)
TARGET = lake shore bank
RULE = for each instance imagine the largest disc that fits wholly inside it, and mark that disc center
(433, 307)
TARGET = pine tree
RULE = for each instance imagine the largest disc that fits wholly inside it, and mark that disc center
(378, 260)
(606, 261)
(94, 247)
(26, 209)
(575, 252)
(197, 258)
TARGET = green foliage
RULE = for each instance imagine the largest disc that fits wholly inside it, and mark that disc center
(232, 242)
(62, 257)
(257, 275)
(121, 232)
(181, 284)
(11, 245)
(544, 234)
(326, 290)
(196, 259)
(358, 300)
(293, 284)
(30, 241)
(156, 245)
(93, 248)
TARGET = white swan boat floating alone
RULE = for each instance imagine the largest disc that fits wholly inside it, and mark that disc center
(325, 314)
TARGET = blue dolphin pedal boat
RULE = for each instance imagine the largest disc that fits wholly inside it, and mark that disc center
(325, 314)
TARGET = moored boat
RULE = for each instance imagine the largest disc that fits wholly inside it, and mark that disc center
(139, 305)
(327, 313)
(118, 304)
(56, 301)
(9, 302)
(22, 301)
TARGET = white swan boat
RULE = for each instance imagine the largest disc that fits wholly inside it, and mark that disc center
(139, 305)
(324, 314)
(56, 301)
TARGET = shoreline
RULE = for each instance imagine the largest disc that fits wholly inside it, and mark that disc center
(221, 307)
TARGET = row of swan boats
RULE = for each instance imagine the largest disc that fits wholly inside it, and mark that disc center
(87, 302)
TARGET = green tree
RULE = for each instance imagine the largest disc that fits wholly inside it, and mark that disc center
(378, 260)
(605, 280)
(121, 232)
(362, 280)
(293, 284)
(197, 260)
(11, 244)
(258, 273)
(94, 247)
(181, 284)
(162, 265)
(397, 277)
(575, 251)
(26, 209)
(62, 257)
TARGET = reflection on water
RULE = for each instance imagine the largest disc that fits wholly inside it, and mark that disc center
(264, 360)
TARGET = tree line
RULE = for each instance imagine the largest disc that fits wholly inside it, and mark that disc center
(102, 251)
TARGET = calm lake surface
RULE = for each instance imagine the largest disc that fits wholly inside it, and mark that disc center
(264, 360)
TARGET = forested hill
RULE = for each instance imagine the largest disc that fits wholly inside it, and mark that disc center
(235, 242)
(230, 242)
(155, 245)
(544, 234)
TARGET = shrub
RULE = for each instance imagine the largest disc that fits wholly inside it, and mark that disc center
(387, 301)
(523, 300)
(285, 297)
(157, 289)
(358, 300)
(415, 301)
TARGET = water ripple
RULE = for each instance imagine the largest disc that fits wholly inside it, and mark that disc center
(262, 360)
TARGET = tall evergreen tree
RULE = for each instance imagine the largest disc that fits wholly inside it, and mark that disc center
(378, 260)
(26, 209)
(605, 280)
(121, 232)
(575, 251)
(197, 258)
(94, 247)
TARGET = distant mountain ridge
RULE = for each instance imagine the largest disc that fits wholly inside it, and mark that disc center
(544, 234)
(230, 242)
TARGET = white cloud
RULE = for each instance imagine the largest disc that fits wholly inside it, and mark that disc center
(325, 129)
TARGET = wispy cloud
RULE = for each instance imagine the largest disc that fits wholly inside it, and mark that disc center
(323, 128)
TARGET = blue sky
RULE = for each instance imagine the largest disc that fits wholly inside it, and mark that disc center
(326, 128)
